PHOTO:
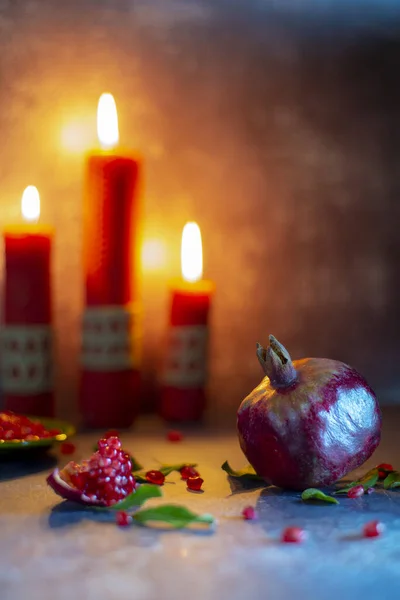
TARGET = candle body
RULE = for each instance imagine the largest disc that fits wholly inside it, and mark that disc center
(110, 361)
(183, 396)
(26, 339)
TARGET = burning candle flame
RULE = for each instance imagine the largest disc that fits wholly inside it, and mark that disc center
(191, 253)
(107, 122)
(30, 204)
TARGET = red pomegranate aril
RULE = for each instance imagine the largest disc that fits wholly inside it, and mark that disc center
(19, 427)
(121, 480)
(67, 448)
(102, 444)
(373, 529)
(356, 491)
(294, 535)
(114, 442)
(126, 467)
(109, 452)
(194, 483)
(174, 436)
(370, 490)
(384, 469)
(155, 477)
(189, 471)
(123, 519)
(249, 513)
(111, 433)
(78, 480)
(54, 432)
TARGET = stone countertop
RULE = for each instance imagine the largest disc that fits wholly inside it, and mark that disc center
(50, 549)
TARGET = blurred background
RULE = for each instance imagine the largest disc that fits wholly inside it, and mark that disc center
(274, 125)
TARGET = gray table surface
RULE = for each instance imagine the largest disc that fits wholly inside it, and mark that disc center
(50, 550)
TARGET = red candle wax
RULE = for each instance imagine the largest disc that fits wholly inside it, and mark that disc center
(110, 379)
(26, 333)
(183, 396)
(110, 224)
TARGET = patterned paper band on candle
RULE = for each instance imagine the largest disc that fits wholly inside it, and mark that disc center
(111, 338)
(26, 359)
(186, 360)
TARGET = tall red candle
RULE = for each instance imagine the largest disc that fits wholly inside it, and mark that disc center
(111, 334)
(183, 396)
(26, 336)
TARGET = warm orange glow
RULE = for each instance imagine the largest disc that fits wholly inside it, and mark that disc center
(191, 253)
(107, 122)
(77, 136)
(153, 254)
(30, 204)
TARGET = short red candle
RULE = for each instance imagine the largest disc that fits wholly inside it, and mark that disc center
(110, 367)
(26, 334)
(183, 396)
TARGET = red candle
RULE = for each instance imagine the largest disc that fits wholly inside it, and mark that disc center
(184, 377)
(26, 340)
(110, 349)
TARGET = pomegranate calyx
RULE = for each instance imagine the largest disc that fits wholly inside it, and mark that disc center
(277, 364)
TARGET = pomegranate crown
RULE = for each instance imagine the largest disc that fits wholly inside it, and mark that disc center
(276, 363)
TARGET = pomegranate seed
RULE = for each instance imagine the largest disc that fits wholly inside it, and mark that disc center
(373, 529)
(78, 480)
(111, 433)
(194, 483)
(123, 519)
(356, 491)
(54, 432)
(383, 469)
(188, 471)
(294, 535)
(370, 490)
(67, 448)
(155, 477)
(109, 452)
(114, 442)
(102, 444)
(249, 513)
(19, 427)
(174, 436)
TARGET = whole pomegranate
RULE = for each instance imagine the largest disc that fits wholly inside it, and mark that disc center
(309, 422)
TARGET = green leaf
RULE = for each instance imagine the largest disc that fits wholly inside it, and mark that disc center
(392, 480)
(314, 494)
(140, 477)
(174, 515)
(136, 466)
(144, 492)
(246, 473)
(167, 469)
(370, 479)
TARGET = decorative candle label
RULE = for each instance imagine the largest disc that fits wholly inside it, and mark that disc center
(111, 338)
(26, 363)
(186, 362)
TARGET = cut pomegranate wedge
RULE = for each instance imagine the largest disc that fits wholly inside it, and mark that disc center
(103, 480)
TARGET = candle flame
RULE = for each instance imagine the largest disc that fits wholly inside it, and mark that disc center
(191, 253)
(30, 204)
(107, 122)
